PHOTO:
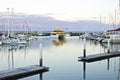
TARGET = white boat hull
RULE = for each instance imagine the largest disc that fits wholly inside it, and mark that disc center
(111, 41)
(0, 42)
(54, 36)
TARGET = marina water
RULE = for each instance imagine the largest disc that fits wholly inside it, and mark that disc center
(62, 59)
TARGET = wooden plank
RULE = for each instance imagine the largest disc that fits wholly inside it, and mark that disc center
(97, 57)
(21, 72)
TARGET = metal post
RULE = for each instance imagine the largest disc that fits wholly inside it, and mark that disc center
(108, 51)
(41, 60)
(40, 63)
(84, 47)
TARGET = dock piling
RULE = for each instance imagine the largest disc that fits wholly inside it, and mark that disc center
(41, 56)
(108, 49)
(84, 47)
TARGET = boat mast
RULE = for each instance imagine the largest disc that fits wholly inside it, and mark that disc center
(115, 19)
(8, 22)
(119, 6)
(12, 27)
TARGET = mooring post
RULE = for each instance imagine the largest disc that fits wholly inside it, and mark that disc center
(41, 56)
(84, 47)
(108, 49)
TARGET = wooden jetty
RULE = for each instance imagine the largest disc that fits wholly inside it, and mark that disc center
(97, 57)
(21, 72)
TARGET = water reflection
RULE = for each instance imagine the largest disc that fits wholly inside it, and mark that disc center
(62, 60)
(13, 48)
(11, 55)
(10, 58)
(84, 70)
(109, 62)
(114, 62)
(41, 76)
(10, 51)
(113, 47)
(85, 67)
(59, 42)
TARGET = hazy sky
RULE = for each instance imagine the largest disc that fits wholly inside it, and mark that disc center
(62, 9)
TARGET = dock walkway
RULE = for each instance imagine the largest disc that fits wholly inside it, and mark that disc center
(97, 57)
(21, 72)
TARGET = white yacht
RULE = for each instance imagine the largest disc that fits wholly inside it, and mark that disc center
(112, 35)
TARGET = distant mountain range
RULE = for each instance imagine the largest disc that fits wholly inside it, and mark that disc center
(21, 22)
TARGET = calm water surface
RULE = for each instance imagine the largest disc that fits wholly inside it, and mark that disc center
(62, 59)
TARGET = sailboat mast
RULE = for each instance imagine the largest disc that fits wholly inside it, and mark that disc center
(8, 23)
(115, 19)
(119, 6)
(12, 27)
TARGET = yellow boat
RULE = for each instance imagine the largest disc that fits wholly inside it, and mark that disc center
(57, 32)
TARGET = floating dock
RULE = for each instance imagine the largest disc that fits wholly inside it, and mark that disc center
(97, 57)
(21, 72)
